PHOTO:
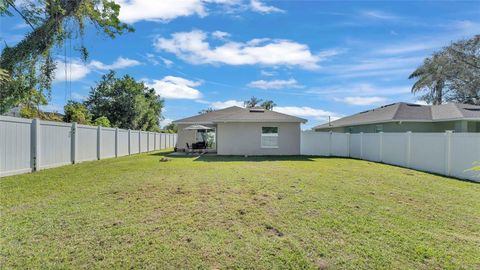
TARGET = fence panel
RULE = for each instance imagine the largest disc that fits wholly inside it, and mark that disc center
(107, 145)
(15, 146)
(356, 145)
(122, 142)
(340, 144)
(143, 141)
(465, 151)
(134, 146)
(151, 141)
(451, 154)
(55, 144)
(163, 140)
(428, 152)
(315, 143)
(157, 141)
(371, 146)
(394, 148)
(86, 143)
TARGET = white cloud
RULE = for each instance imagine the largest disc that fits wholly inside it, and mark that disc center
(379, 66)
(220, 35)
(76, 70)
(421, 102)
(363, 101)
(118, 64)
(267, 73)
(171, 87)
(194, 48)
(275, 84)
(260, 7)
(377, 14)
(359, 89)
(165, 122)
(307, 112)
(132, 11)
(224, 104)
(79, 97)
(148, 10)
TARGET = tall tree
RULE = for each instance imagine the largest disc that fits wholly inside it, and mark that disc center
(452, 74)
(252, 102)
(77, 112)
(126, 103)
(52, 22)
(268, 105)
(431, 77)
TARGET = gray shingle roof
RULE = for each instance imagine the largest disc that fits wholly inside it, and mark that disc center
(238, 114)
(408, 112)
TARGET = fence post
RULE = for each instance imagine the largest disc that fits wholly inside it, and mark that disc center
(99, 142)
(129, 144)
(409, 148)
(35, 131)
(448, 152)
(380, 156)
(361, 145)
(116, 142)
(348, 145)
(139, 141)
(148, 141)
(154, 141)
(74, 138)
(330, 144)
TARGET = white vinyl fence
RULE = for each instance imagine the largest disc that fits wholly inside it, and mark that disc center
(450, 154)
(30, 145)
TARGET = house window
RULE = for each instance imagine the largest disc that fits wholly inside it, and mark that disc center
(269, 137)
(378, 128)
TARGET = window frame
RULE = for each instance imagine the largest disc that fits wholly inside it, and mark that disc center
(269, 135)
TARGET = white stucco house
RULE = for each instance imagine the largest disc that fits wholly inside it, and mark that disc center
(241, 131)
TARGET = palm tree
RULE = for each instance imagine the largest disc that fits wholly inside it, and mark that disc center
(252, 102)
(207, 110)
(268, 105)
(431, 77)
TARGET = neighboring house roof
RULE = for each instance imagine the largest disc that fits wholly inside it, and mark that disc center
(406, 112)
(238, 114)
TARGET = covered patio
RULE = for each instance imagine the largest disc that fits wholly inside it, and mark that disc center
(197, 138)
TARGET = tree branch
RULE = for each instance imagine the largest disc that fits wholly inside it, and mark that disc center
(20, 13)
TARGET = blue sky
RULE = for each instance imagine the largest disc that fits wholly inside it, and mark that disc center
(313, 58)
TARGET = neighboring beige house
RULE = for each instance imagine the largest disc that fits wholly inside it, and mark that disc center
(241, 131)
(403, 117)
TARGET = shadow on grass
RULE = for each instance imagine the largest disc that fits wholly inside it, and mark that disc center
(215, 158)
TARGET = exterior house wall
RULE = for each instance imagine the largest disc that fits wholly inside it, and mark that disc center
(187, 136)
(245, 139)
(457, 126)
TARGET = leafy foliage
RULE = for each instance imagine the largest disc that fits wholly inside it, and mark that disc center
(171, 128)
(126, 103)
(207, 110)
(77, 112)
(252, 102)
(30, 107)
(102, 121)
(453, 74)
(257, 102)
(268, 105)
(52, 23)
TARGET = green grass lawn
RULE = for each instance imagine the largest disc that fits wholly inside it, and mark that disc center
(235, 212)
